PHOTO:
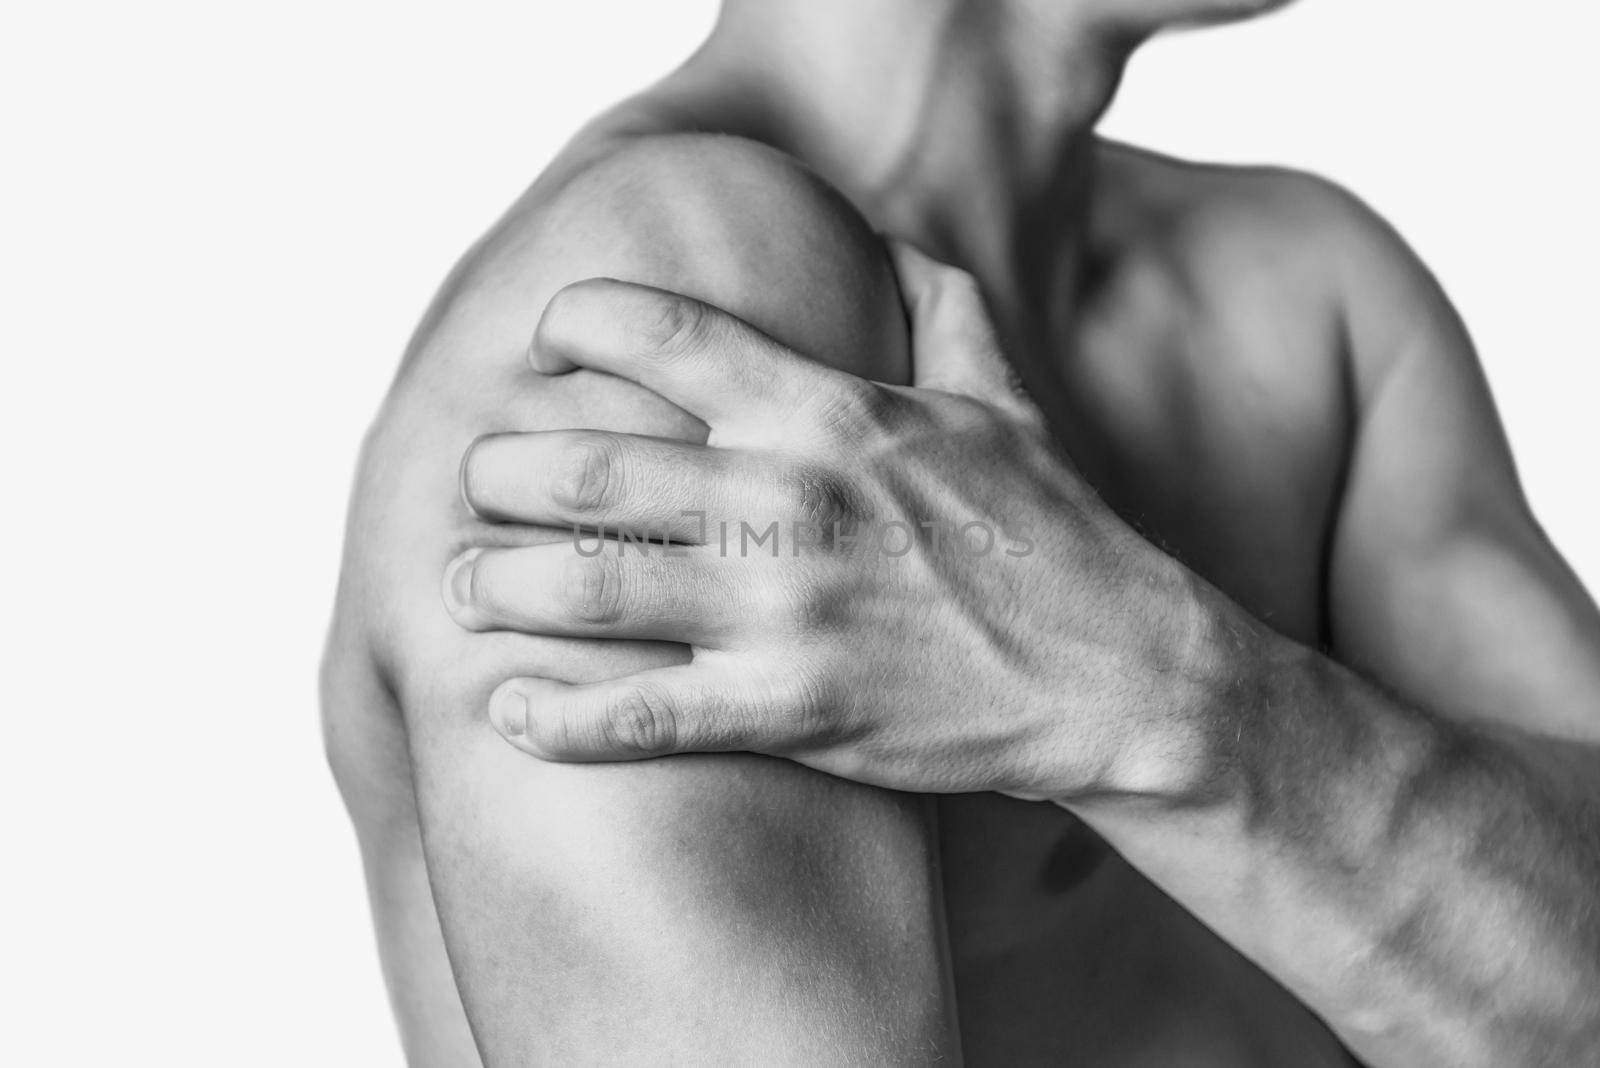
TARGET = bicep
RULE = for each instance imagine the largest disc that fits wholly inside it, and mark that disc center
(1442, 585)
(698, 907)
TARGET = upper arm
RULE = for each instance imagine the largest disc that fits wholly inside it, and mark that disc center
(703, 907)
(1442, 585)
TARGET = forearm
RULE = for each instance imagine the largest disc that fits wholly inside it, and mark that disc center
(1427, 887)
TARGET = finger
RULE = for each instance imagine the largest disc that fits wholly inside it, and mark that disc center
(954, 346)
(652, 487)
(692, 708)
(709, 363)
(601, 589)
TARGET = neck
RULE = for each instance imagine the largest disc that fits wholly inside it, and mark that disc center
(966, 127)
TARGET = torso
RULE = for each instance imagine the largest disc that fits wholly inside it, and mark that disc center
(1203, 395)
(1208, 408)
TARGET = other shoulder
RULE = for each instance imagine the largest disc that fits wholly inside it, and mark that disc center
(1266, 216)
(1300, 240)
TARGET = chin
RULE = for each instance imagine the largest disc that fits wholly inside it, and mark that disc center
(1236, 10)
(1159, 14)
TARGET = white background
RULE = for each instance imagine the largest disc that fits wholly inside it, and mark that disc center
(220, 222)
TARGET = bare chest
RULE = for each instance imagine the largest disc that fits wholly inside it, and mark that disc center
(1223, 444)
(1222, 439)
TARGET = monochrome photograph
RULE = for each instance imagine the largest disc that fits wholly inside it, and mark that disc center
(804, 533)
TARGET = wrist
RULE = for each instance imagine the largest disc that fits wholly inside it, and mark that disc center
(1216, 667)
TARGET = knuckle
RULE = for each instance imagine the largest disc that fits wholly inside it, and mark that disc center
(856, 410)
(592, 590)
(804, 702)
(812, 605)
(821, 498)
(674, 327)
(639, 719)
(585, 473)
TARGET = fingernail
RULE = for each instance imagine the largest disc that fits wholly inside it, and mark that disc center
(509, 713)
(459, 580)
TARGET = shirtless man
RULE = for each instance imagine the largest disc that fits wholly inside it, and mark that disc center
(1323, 764)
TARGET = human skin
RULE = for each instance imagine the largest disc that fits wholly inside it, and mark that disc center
(1183, 328)
(1425, 884)
(592, 915)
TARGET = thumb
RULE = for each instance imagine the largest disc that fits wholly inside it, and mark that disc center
(680, 709)
(954, 346)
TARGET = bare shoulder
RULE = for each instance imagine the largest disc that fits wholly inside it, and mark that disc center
(1269, 245)
(727, 220)
(1260, 221)
(1295, 232)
